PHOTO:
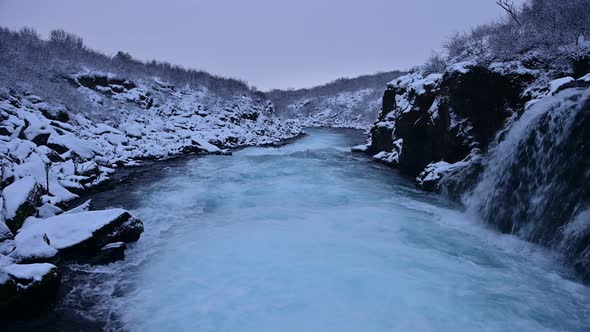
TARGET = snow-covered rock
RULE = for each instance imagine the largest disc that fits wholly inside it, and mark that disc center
(20, 199)
(27, 289)
(78, 234)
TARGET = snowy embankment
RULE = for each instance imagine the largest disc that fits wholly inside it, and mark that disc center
(350, 109)
(49, 154)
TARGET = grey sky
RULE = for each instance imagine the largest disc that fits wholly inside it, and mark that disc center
(269, 43)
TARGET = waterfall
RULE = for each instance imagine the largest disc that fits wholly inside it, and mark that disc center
(536, 178)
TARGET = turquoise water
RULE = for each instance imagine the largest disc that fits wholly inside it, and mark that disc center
(309, 237)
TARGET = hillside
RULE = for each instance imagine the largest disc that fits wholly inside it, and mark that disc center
(346, 102)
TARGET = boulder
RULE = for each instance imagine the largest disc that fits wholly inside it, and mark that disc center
(20, 200)
(27, 289)
(110, 253)
(5, 232)
(6, 130)
(443, 117)
(80, 234)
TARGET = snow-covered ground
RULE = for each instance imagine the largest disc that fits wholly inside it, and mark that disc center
(349, 109)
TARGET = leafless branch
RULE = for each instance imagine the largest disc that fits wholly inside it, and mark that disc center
(508, 6)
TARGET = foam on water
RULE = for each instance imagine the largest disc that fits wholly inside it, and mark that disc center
(308, 237)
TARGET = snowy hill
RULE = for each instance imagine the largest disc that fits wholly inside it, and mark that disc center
(347, 103)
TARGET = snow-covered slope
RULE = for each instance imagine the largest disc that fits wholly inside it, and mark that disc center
(344, 103)
(66, 152)
(356, 109)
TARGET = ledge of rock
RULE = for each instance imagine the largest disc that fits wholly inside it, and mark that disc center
(27, 289)
(75, 234)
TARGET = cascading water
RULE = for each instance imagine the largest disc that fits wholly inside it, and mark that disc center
(536, 180)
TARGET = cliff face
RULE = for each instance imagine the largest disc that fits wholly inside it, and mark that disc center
(445, 117)
(503, 138)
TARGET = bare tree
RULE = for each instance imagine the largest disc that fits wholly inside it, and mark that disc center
(508, 6)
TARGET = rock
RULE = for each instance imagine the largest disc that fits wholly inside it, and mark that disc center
(5, 232)
(443, 117)
(33, 248)
(581, 66)
(48, 210)
(201, 146)
(110, 253)
(28, 289)
(58, 114)
(41, 139)
(20, 200)
(80, 234)
(6, 131)
(8, 293)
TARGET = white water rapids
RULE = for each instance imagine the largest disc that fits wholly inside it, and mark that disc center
(309, 237)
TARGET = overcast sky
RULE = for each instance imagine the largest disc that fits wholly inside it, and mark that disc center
(269, 43)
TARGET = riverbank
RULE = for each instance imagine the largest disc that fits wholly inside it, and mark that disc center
(107, 195)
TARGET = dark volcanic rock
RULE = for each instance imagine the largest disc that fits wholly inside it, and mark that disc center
(444, 117)
(25, 295)
(110, 253)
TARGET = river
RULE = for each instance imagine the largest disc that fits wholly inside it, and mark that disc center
(310, 237)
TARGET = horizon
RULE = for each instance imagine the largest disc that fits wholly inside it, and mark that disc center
(256, 56)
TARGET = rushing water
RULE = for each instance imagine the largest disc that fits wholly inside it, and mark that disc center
(309, 237)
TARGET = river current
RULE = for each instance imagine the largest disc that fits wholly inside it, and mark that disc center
(310, 237)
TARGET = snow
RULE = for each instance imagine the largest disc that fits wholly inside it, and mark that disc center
(5, 261)
(206, 145)
(118, 130)
(360, 148)
(82, 148)
(113, 245)
(69, 229)
(390, 158)
(579, 227)
(558, 83)
(5, 233)
(462, 67)
(32, 246)
(348, 109)
(29, 271)
(80, 208)
(17, 194)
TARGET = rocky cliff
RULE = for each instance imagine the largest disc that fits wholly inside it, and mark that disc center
(505, 138)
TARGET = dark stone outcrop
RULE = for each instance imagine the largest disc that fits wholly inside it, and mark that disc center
(24, 298)
(125, 228)
(462, 110)
(581, 66)
(26, 208)
(110, 253)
